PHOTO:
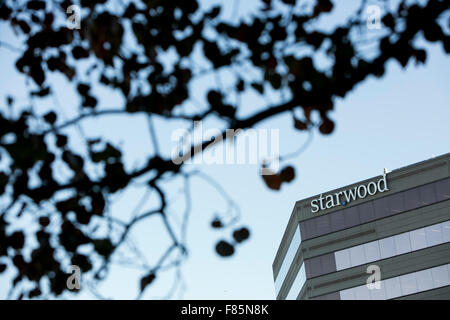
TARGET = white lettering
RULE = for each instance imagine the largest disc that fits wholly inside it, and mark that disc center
(314, 206)
(374, 185)
(359, 192)
(362, 196)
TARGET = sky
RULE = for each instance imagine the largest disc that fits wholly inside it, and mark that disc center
(390, 122)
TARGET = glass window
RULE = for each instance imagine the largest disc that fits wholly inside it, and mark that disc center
(443, 189)
(396, 203)
(448, 269)
(366, 212)
(357, 256)
(402, 243)
(315, 268)
(323, 224)
(378, 294)
(351, 217)
(297, 285)
(434, 235)
(387, 247)
(418, 239)
(403, 285)
(408, 283)
(328, 263)
(347, 294)
(308, 267)
(342, 259)
(424, 280)
(440, 276)
(310, 228)
(381, 207)
(412, 199)
(337, 221)
(303, 230)
(393, 288)
(427, 194)
(372, 251)
(362, 293)
(446, 231)
(287, 260)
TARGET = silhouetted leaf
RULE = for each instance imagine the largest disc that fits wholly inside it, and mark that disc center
(327, 126)
(104, 247)
(50, 117)
(216, 223)
(17, 240)
(287, 174)
(224, 249)
(273, 181)
(241, 235)
(44, 221)
(300, 125)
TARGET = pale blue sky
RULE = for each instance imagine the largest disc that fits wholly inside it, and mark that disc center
(390, 122)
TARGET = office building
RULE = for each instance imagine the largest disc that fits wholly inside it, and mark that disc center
(387, 237)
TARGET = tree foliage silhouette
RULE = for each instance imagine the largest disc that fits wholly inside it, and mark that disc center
(125, 46)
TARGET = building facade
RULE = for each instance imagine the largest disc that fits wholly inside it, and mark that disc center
(387, 237)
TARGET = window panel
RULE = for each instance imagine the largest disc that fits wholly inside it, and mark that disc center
(381, 207)
(357, 256)
(434, 235)
(403, 285)
(287, 260)
(337, 221)
(362, 293)
(443, 189)
(348, 294)
(316, 267)
(396, 203)
(446, 231)
(412, 199)
(448, 269)
(308, 268)
(408, 283)
(393, 288)
(303, 231)
(328, 263)
(402, 243)
(323, 225)
(427, 194)
(418, 239)
(440, 276)
(310, 228)
(297, 285)
(391, 246)
(366, 212)
(342, 259)
(387, 247)
(378, 294)
(424, 280)
(372, 251)
(351, 217)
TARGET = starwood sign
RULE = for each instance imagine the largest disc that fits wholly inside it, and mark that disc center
(346, 196)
